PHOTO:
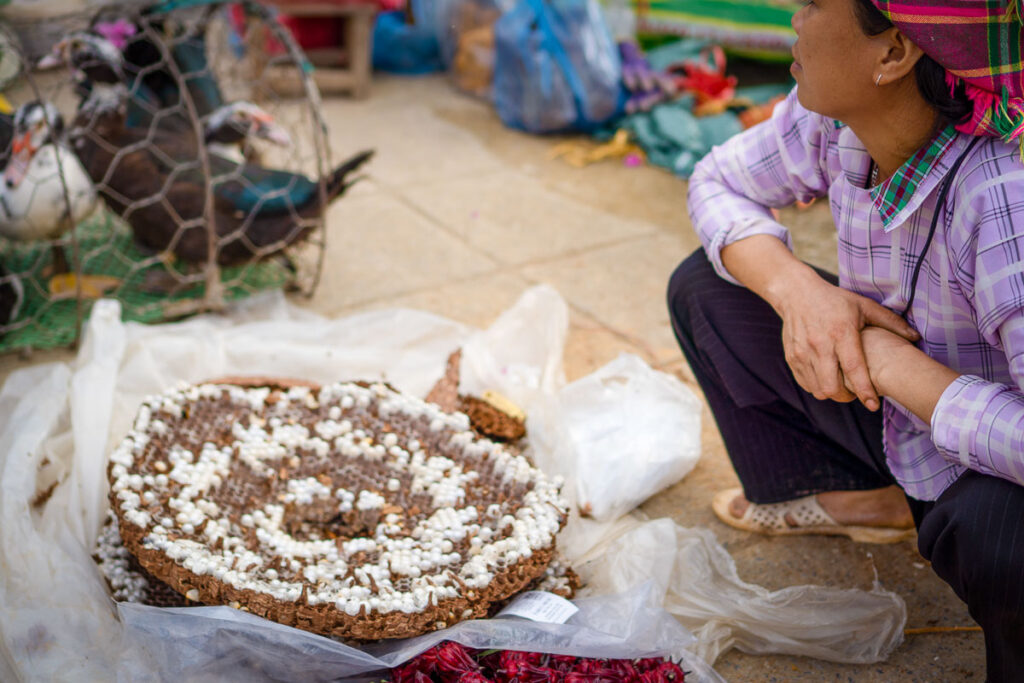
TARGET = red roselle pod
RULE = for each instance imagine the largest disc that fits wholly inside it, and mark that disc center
(511, 656)
(670, 671)
(647, 664)
(578, 677)
(529, 673)
(473, 677)
(562, 663)
(623, 669)
(453, 658)
(409, 675)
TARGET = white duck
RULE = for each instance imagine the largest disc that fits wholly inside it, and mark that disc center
(33, 204)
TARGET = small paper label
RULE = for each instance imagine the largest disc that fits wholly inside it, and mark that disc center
(540, 606)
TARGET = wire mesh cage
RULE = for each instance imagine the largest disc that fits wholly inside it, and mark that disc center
(152, 159)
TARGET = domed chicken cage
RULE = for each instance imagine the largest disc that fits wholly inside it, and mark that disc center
(173, 156)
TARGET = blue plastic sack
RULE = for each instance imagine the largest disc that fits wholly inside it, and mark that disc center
(556, 67)
(399, 47)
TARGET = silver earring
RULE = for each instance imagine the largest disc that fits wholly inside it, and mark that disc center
(878, 80)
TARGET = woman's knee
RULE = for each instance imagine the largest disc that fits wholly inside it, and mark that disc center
(694, 268)
(971, 539)
(690, 278)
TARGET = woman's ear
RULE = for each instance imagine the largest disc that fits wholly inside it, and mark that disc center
(900, 56)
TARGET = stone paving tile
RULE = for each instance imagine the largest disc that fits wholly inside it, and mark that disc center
(413, 144)
(377, 247)
(515, 218)
(646, 193)
(475, 301)
(623, 286)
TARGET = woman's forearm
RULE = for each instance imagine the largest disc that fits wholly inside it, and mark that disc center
(907, 375)
(765, 266)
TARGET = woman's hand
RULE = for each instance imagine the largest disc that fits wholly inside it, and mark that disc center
(821, 323)
(822, 336)
(903, 372)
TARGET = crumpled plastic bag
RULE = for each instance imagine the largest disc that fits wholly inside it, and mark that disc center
(634, 431)
(620, 434)
(224, 644)
(701, 587)
(520, 354)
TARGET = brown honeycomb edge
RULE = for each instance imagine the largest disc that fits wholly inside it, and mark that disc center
(485, 419)
(326, 619)
(490, 421)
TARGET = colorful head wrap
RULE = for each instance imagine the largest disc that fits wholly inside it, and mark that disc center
(979, 42)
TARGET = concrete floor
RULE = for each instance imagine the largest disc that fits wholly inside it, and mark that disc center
(459, 215)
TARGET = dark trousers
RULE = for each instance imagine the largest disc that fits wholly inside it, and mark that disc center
(785, 444)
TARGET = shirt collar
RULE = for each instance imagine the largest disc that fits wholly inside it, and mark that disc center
(901, 195)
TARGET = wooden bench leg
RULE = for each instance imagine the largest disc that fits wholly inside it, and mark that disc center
(359, 44)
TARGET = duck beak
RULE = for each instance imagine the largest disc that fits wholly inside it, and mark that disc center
(22, 152)
(55, 58)
(268, 129)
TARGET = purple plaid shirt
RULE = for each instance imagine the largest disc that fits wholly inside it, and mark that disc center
(969, 306)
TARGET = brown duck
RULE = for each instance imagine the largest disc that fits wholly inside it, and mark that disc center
(153, 179)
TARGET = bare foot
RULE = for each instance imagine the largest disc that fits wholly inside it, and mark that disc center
(878, 507)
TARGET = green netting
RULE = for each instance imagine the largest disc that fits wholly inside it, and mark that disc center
(105, 247)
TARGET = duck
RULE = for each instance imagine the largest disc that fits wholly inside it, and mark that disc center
(156, 85)
(33, 204)
(154, 181)
(228, 129)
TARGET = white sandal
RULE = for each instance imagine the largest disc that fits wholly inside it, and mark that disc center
(808, 518)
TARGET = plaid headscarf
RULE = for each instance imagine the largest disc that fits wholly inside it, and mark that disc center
(979, 42)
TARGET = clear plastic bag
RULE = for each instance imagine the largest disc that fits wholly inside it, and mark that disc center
(698, 583)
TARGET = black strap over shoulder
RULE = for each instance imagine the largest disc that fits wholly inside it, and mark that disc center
(943, 192)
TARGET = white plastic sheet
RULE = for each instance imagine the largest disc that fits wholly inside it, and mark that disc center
(58, 422)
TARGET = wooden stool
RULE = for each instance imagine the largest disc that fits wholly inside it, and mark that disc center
(338, 69)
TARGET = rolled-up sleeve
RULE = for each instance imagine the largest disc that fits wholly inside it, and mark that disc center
(772, 165)
(979, 423)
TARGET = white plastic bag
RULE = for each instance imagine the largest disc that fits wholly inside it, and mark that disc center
(620, 434)
(520, 354)
(634, 431)
(699, 585)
